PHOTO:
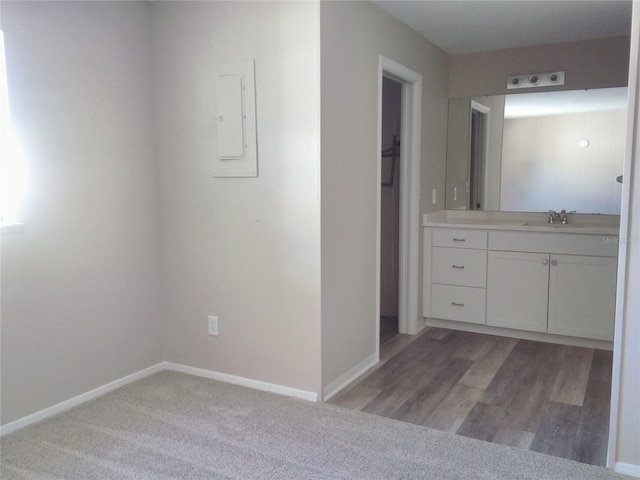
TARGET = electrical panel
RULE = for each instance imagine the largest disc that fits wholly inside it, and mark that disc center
(236, 153)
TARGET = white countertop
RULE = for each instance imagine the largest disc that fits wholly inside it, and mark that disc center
(584, 224)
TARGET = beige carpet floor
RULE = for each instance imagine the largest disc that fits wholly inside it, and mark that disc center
(176, 426)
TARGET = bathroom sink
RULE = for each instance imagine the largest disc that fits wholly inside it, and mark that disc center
(552, 225)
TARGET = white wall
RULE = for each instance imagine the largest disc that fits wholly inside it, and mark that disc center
(459, 147)
(545, 168)
(458, 151)
(493, 173)
(353, 36)
(245, 249)
(80, 284)
(587, 64)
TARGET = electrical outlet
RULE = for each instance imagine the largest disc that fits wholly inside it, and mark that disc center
(433, 196)
(455, 193)
(213, 325)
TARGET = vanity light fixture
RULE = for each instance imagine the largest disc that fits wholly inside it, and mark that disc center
(534, 80)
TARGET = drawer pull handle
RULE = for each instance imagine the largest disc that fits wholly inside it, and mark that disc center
(457, 304)
(458, 239)
(458, 266)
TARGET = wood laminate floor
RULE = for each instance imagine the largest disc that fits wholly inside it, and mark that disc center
(538, 396)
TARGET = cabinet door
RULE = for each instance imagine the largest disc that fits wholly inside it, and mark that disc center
(518, 290)
(582, 296)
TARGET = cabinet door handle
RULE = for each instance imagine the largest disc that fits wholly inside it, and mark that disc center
(457, 304)
(458, 239)
(545, 261)
(554, 262)
(458, 266)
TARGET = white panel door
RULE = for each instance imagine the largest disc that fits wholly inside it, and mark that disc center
(582, 296)
(518, 290)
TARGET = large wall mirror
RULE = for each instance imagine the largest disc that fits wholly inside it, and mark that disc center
(534, 152)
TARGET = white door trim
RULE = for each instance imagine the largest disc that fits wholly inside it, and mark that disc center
(623, 315)
(410, 142)
(486, 111)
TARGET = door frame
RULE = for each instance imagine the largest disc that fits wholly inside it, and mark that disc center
(485, 125)
(626, 330)
(410, 142)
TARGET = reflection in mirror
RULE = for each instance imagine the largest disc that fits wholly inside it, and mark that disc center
(537, 151)
(478, 154)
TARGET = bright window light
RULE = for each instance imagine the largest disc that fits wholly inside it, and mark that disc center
(13, 168)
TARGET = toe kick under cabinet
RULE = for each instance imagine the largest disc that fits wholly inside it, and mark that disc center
(552, 283)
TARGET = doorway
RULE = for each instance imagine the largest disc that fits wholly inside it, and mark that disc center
(390, 207)
(408, 131)
(478, 156)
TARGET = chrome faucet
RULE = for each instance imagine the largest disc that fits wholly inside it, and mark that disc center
(555, 216)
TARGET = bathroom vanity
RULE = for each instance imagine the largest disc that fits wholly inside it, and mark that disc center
(514, 274)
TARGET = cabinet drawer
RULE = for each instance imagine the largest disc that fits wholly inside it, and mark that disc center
(458, 266)
(459, 238)
(463, 304)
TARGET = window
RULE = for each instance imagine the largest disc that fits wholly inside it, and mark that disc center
(13, 169)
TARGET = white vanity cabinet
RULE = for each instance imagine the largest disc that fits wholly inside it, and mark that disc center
(562, 284)
(546, 284)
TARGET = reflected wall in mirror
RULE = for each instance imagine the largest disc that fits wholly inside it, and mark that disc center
(537, 151)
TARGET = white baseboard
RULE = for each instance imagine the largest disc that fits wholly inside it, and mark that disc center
(627, 469)
(97, 392)
(78, 400)
(242, 381)
(348, 377)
